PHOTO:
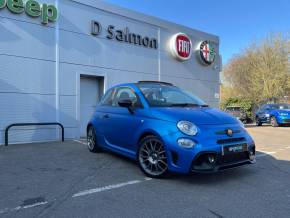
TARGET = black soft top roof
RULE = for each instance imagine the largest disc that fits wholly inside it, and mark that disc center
(155, 82)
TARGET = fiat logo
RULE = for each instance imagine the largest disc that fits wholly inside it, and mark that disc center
(181, 47)
(229, 132)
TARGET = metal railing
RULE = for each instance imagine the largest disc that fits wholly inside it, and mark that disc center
(32, 124)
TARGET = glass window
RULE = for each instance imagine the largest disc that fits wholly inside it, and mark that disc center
(107, 99)
(125, 93)
(158, 95)
(279, 106)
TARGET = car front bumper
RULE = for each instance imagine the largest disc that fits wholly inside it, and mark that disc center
(223, 162)
(187, 160)
(283, 119)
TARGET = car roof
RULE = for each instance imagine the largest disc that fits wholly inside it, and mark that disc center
(154, 82)
(142, 82)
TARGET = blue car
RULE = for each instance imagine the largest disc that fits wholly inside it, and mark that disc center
(275, 114)
(167, 129)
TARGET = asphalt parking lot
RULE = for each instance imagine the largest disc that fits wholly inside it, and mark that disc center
(65, 180)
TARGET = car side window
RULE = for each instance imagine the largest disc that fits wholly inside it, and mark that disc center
(107, 100)
(262, 108)
(125, 93)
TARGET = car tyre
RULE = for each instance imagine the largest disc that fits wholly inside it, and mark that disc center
(152, 158)
(258, 122)
(92, 140)
(274, 122)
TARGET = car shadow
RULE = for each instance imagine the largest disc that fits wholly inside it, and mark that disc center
(265, 166)
(221, 177)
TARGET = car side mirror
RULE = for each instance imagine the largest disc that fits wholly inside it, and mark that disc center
(127, 103)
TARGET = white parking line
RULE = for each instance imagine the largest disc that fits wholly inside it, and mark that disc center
(79, 194)
(105, 188)
(6, 210)
(81, 142)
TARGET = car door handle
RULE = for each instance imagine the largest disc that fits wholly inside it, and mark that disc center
(106, 116)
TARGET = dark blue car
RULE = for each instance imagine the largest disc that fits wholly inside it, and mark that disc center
(168, 130)
(275, 114)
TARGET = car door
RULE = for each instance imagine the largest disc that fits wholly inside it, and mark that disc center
(119, 124)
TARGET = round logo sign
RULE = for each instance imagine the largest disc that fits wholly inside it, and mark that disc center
(181, 46)
(207, 52)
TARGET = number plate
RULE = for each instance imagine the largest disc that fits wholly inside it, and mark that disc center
(235, 149)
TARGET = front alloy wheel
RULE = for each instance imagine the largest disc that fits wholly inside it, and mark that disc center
(92, 140)
(152, 157)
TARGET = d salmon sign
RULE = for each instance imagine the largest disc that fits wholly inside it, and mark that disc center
(181, 47)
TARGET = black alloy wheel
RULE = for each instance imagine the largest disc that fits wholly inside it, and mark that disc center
(152, 157)
(92, 140)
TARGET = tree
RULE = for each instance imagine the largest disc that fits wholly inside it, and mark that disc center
(261, 72)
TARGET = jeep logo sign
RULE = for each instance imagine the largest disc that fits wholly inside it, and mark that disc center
(47, 13)
(181, 46)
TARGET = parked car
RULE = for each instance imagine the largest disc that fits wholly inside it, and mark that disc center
(238, 112)
(168, 130)
(275, 114)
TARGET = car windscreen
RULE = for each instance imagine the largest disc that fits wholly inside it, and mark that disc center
(158, 95)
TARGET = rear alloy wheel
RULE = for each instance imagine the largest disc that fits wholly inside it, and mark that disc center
(274, 122)
(152, 157)
(92, 140)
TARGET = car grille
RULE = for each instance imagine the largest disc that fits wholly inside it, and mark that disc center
(235, 157)
(230, 140)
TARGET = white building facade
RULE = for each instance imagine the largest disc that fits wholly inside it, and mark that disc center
(58, 57)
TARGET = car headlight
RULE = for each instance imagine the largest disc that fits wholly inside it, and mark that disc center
(283, 114)
(187, 127)
(267, 115)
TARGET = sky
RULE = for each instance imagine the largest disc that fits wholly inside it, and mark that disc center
(238, 23)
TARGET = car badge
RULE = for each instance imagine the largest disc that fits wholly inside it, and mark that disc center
(229, 132)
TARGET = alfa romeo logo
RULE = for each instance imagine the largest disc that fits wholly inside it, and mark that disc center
(207, 52)
(181, 47)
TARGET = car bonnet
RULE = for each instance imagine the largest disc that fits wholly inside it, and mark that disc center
(196, 115)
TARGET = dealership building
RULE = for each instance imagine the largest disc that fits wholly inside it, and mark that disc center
(58, 57)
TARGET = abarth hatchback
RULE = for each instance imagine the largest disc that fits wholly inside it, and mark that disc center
(167, 129)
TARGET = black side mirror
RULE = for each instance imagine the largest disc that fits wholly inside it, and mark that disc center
(127, 103)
